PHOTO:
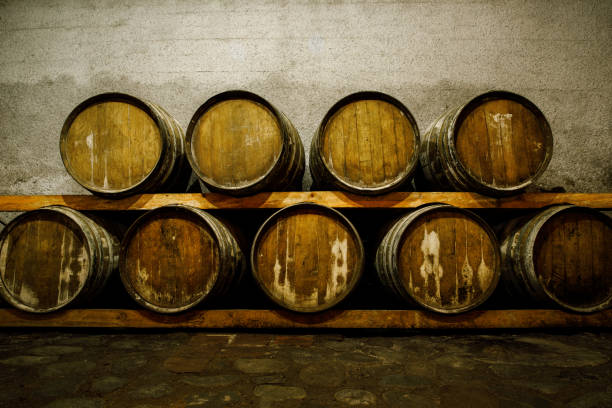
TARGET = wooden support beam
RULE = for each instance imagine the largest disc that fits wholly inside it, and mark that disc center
(334, 199)
(332, 319)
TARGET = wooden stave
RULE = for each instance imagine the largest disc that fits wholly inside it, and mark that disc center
(285, 174)
(102, 250)
(518, 272)
(231, 268)
(171, 172)
(387, 255)
(323, 178)
(440, 162)
(360, 266)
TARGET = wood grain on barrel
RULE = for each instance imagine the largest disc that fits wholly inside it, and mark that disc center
(236, 142)
(112, 146)
(501, 143)
(171, 260)
(44, 261)
(368, 143)
(307, 259)
(446, 259)
(572, 258)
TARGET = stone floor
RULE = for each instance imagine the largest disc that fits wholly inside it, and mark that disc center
(61, 369)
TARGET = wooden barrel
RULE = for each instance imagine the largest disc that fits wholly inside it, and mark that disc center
(367, 143)
(240, 144)
(115, 145)
(496, 144)
(54, 256)
(307, 257)
(176, 256)
(444, 258)
(560, 257)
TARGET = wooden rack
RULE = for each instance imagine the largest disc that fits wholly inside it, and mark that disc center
(332, 319)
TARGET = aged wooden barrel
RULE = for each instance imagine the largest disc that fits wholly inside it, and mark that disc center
(496, 144)
(54, 256)
(367, 143)
(114, 144)
(560, 257)
(444, 258)
(240, 144)
(307, 257)
(176, 256)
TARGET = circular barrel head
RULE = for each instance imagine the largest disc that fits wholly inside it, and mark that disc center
(369, 142)
(448, 260)
(110, 143)
(307, 257)
(44, 261)
(502, 140)
(234, 142)
(170, 259)
(572, 255)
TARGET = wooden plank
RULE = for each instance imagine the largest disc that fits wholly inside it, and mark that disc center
(334, 199)
(332, 319)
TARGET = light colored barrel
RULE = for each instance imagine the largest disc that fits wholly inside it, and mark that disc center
(174, 257)
(115, 144)
(240, 144)
(444, 258)
(496, 144)
(560, 257)
(53, 257)
(367, 143)
(307, 257)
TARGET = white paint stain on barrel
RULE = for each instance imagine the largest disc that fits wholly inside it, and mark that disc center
(28, 296)
(64, 279)
(484, 273)
(336, 283)
(89, 140)
(501, 125)
(430, 246)
(286, 292)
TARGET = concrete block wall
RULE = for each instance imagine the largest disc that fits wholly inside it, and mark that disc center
(303, 56)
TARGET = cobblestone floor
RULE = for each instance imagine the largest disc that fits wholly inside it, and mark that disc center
(62, 369)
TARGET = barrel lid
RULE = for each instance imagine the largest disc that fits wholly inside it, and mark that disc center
(501, 140)
(45, 259)
(170, 258)
(447, 258)
(235, 139)
(112, 143)
(568, 252)
(369, 141)
(307, 257)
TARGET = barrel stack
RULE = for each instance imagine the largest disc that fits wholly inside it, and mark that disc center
(307, 257)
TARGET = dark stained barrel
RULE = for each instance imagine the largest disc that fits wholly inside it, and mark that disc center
(114, 144)
(307, 257)
(497, 144)
(176, 256)
(561, 257)
(444, 258)
(240, 144)
(54, 256)
(367, 143)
